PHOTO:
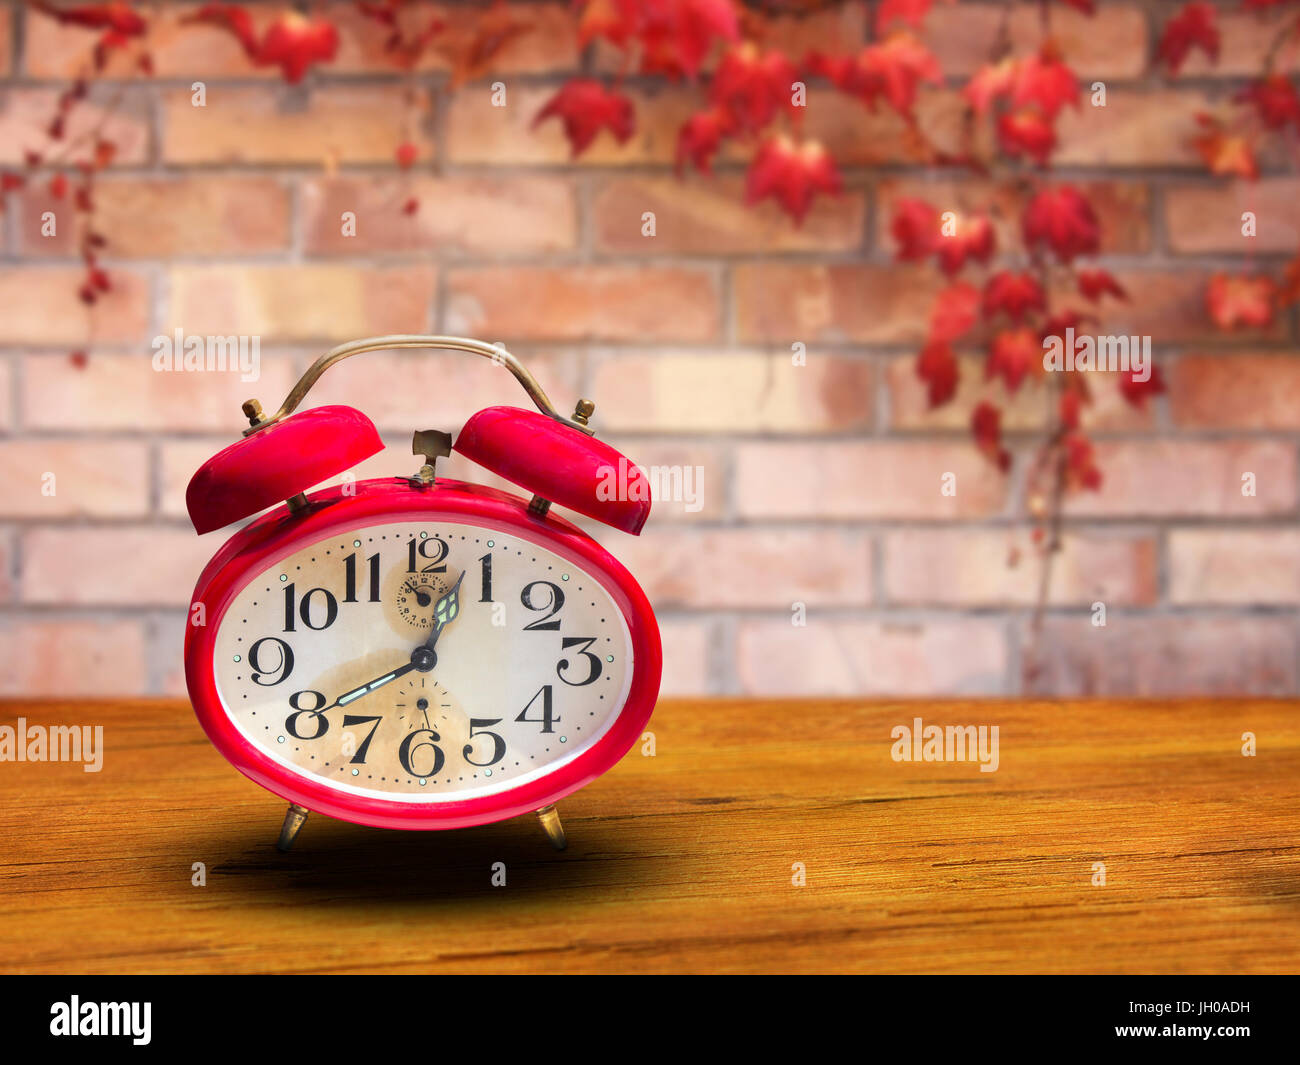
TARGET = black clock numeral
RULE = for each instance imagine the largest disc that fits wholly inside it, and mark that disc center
(350, 578)
(486, 597)
(417, 550)
(548, 714)
(555, 603)
(478, 727)
(293, 721)
(581, 643)
(259, 670)
(409, 747)
(358, 719)
(305, 611)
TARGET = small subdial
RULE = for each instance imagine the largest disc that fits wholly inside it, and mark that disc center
(417, 596)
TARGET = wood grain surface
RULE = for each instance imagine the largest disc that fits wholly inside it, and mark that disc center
(683, 862)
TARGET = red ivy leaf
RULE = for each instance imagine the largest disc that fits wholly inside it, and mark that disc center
(1093, 284)
(1046, 82)
(1135, 391)
(1013, 354)
(1224, 152)
(1080, 468)
(915, 227)
(955, 310)
(937, 367)
(294, 43)
(116, 16)
(893, 68)
(1274, 99)
(973, 239)
(912, 12)
(989, 83)
(1064, 220)
(792, 173)
(585, 107)
(1193, 27)
(1234, 301)
(1013, 295)
(700, 137)
(1026, 132)
(986, 428)
(753, 87)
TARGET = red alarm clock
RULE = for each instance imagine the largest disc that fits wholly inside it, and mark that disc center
(411, 651)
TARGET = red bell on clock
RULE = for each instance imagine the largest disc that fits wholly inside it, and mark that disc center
(412, 651)
(278, 463)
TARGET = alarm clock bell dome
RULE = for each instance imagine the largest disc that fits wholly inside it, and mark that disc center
(559, 463)
(270, 465)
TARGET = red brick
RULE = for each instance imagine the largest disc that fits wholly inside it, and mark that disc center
(707, 465)
(145, 565)
(1184, 477)
(162, 218)
(107, 479)
(909, 403)
(836, 656)
(856, 136)
(1166, 306)
(1207, 218)
(1110, 43)
(6, 394)
(408, 390)
(1234, 566)
(40, 306)
(47, 657)
(178, 50)
(118, 391)
(477, 132)
(966, 567)
(1123, 208)
(337, 124)
(584, 303)
(688, 659)
(877, 479)
(781, 304)
(1244, 40)
(733, 393)
(698, 215)
(550, 44)
(464, 214)
(729, 568)
(25, 114)
(6, 39)
(1175, 655)
(333, 302)
(6, 567)
(1152, 129)
(1236, 391)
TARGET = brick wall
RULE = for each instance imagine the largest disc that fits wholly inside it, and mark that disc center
(820, 481)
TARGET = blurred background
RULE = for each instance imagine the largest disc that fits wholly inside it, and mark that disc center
(818, 480)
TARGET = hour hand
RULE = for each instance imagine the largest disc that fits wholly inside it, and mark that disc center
(444, 612)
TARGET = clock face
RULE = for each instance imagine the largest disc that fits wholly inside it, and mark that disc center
(423, 661)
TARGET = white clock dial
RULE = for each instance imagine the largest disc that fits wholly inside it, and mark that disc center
(423, 661)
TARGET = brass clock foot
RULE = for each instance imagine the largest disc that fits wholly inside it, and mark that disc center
(549, 817)
(294, 818)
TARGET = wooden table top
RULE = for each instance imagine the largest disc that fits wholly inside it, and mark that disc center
(686, 861)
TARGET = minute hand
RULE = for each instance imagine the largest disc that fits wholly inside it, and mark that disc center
(366, 689)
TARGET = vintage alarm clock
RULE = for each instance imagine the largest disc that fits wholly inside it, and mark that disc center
(417, 652)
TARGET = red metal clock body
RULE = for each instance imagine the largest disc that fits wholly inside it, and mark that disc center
(427, 610)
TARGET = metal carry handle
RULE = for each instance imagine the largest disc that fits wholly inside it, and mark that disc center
(495, 352)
